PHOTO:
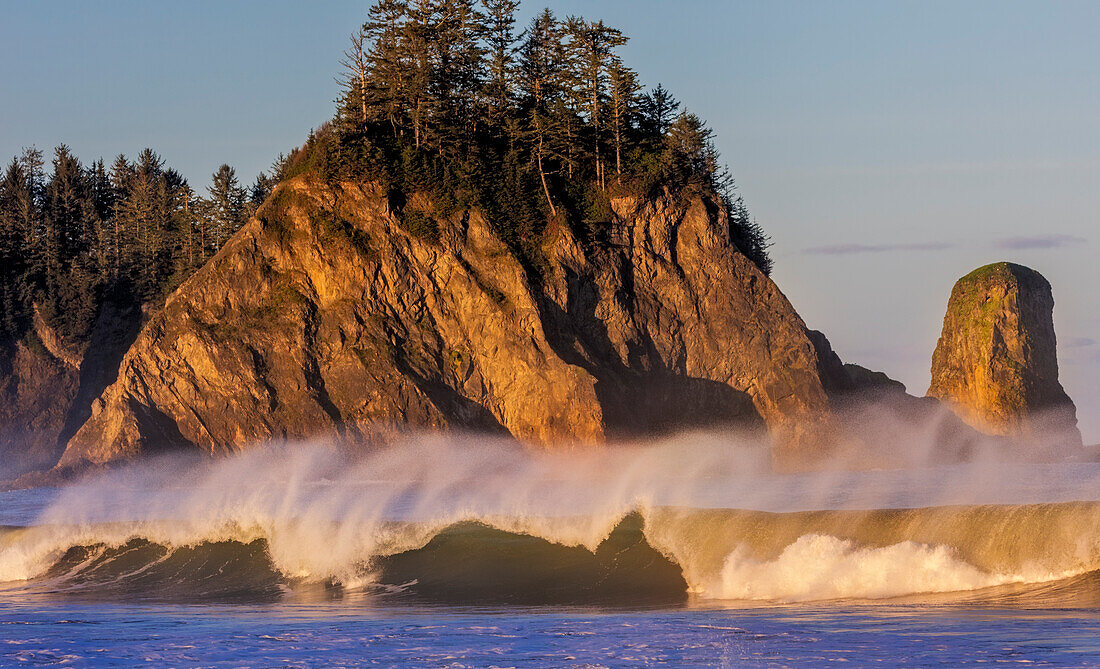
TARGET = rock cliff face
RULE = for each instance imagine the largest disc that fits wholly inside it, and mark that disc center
(36, 390)
(47, 386)
(996, 362)
(324, 316)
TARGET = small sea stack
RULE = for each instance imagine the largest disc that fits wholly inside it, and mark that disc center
(996, 362)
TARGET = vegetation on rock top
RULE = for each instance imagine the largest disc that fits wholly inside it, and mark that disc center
(443, 97)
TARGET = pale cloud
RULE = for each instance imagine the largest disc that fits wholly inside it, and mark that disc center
(1051, 241)
(1077, 342)
(848, 249)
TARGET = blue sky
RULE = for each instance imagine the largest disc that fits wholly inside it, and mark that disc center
(887, 147)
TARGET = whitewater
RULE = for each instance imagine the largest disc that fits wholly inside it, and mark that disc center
(735, 530)
(697, 525)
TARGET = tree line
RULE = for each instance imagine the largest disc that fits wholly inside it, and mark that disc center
(448, 96)
(73, 236)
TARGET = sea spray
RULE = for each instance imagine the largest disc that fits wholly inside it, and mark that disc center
(709, 503)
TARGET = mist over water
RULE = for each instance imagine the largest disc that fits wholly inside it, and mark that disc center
(709, 504)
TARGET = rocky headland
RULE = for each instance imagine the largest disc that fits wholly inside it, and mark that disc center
(326, 316)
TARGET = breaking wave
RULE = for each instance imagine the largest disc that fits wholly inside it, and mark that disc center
(476, 523)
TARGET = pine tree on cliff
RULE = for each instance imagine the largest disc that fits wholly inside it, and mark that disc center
(172, 261)
(499, 35)
(259, 191)
(137, 219)
(102, 195)
(226, 206)
(539, 76)
(457, 77)
(624, 87)
(122, 174)
(689, 150)
(747, 234)
(30, 219)
(419, 36)
(18, 211)
(386, 78)
(354, 78)
(188, 254)
(70, 279)
(658, 109)
(595, 45)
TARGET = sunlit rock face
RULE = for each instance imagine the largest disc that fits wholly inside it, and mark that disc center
(996, 362)
(325, 316)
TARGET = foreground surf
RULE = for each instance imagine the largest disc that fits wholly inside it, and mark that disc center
(1040, 553)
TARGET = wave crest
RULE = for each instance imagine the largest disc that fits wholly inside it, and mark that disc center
(454, 517)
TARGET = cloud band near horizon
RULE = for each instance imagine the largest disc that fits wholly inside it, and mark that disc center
(848, 249)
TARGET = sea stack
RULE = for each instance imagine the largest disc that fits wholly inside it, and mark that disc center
(996, 362)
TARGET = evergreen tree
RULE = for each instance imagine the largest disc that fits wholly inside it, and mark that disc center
(259, 191)
(226, 206)
(624, 88)
(658, 109)
(746, 233)
(17, 213)
(418, 66)
(499, 36)
(539, 75)
(121, 176)
(102, 196)
(458, 81)
(189, 251)
(689, 150)
(354, 78)
(138, 218)
(595, 44)
(280, 167)
(30, 219)
(387, 59)
(69, 284)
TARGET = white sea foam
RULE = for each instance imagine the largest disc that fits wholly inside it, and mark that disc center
(325, 514)
(817, 567)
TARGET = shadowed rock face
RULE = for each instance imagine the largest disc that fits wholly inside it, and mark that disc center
(323, 316)
(996, 362)
(47, 386)
(35, 391)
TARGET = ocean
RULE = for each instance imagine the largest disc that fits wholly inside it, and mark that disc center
(444, 552)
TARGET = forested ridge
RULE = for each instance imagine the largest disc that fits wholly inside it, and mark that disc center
(547, 123)
(75, 236)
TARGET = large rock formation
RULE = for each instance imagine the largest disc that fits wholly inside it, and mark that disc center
(996, 362)
(325, 316)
